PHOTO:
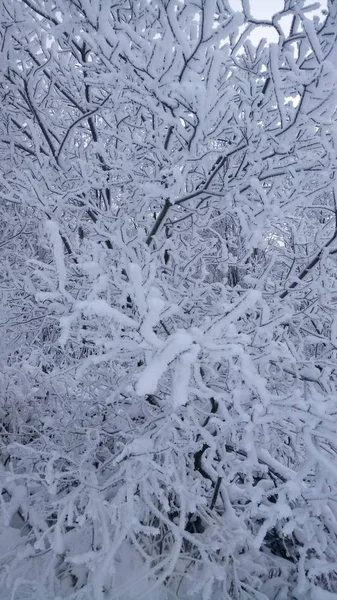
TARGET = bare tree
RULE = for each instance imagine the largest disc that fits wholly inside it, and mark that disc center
(168, 296)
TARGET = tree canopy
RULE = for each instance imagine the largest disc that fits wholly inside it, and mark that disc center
(168, 290)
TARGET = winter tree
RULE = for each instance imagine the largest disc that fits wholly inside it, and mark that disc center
(168, 293)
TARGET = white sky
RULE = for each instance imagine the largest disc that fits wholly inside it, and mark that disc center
(265, 9)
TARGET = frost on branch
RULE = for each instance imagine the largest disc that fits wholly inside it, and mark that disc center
(168, 301)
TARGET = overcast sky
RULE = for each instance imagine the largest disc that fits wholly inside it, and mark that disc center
(265, 9)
